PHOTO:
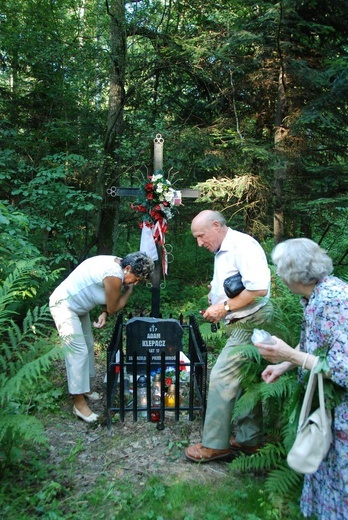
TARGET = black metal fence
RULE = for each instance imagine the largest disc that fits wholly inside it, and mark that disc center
(188, 393)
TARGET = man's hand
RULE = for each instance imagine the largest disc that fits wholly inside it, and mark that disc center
(215, 313)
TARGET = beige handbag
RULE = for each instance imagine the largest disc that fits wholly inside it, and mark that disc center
(314, 434)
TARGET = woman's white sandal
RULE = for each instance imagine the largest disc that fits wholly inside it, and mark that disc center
(87, 418)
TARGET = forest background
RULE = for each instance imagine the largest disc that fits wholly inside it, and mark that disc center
(250, 98)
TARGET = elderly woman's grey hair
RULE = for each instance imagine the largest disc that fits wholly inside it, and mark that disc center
(301, 260)
(141, 264)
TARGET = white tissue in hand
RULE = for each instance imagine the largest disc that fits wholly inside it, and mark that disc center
(262, 336)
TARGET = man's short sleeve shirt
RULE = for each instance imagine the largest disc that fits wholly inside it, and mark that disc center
(240, 253)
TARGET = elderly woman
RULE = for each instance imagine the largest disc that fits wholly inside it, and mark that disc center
(305, 269)
(101, 280)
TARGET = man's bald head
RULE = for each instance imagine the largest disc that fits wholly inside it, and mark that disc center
(209, 228)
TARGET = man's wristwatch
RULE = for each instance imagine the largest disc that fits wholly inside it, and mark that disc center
(226, 306)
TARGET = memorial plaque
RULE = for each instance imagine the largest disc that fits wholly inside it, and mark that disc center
(153, 336)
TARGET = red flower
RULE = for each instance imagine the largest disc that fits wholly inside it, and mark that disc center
(155, 214)
(152, 208)
(168, 381)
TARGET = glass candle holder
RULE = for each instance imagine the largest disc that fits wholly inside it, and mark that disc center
(156, 391)
(142, 395)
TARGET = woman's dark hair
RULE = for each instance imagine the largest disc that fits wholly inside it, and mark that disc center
(141, 264)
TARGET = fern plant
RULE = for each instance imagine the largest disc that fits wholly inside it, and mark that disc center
(25, 358)
(281, 403)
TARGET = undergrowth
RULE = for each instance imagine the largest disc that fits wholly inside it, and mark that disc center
(25, 358)
(259, 487)
(240, 498)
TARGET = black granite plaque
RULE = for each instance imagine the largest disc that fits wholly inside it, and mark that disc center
(154, 336)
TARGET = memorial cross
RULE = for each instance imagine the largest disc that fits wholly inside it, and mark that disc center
(186, 193)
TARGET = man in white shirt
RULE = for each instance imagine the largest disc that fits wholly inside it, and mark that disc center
(235, 252)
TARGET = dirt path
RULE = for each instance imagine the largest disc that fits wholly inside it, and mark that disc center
(131, 450)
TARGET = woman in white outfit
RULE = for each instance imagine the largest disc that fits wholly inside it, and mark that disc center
(101, 280)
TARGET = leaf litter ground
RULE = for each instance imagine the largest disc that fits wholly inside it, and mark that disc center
(129, 451)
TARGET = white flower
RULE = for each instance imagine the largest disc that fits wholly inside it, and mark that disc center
(159, 188)
(169, 196)
(167, 211)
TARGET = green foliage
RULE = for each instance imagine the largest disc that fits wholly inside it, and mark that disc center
(58, 210)
(25, 358)
(206, 77)
(281, 403)
(283, 484)
(156, 499)
(245, 197)
(15, 244)
(17, 251)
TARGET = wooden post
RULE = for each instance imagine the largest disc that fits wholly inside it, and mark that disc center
(156, 275)
(156, 285)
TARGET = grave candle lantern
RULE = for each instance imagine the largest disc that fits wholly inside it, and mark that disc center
(156, 391)
(142, 395)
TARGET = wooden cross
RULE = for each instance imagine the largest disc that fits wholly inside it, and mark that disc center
(186, 193)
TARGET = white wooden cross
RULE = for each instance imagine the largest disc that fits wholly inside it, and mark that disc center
(186, 193)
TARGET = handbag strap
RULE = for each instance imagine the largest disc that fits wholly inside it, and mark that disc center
(314, 378)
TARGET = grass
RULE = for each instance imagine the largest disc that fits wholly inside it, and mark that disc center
(237, 498)
(184, 501)
(35, 489)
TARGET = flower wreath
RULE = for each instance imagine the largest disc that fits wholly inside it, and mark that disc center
(156, 206)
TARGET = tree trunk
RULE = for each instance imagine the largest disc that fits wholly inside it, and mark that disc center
(280, 172)
(109, 174)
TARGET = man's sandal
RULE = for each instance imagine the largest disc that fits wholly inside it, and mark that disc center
(199, 453)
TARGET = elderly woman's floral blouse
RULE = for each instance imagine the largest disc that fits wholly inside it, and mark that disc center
(325, 325)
